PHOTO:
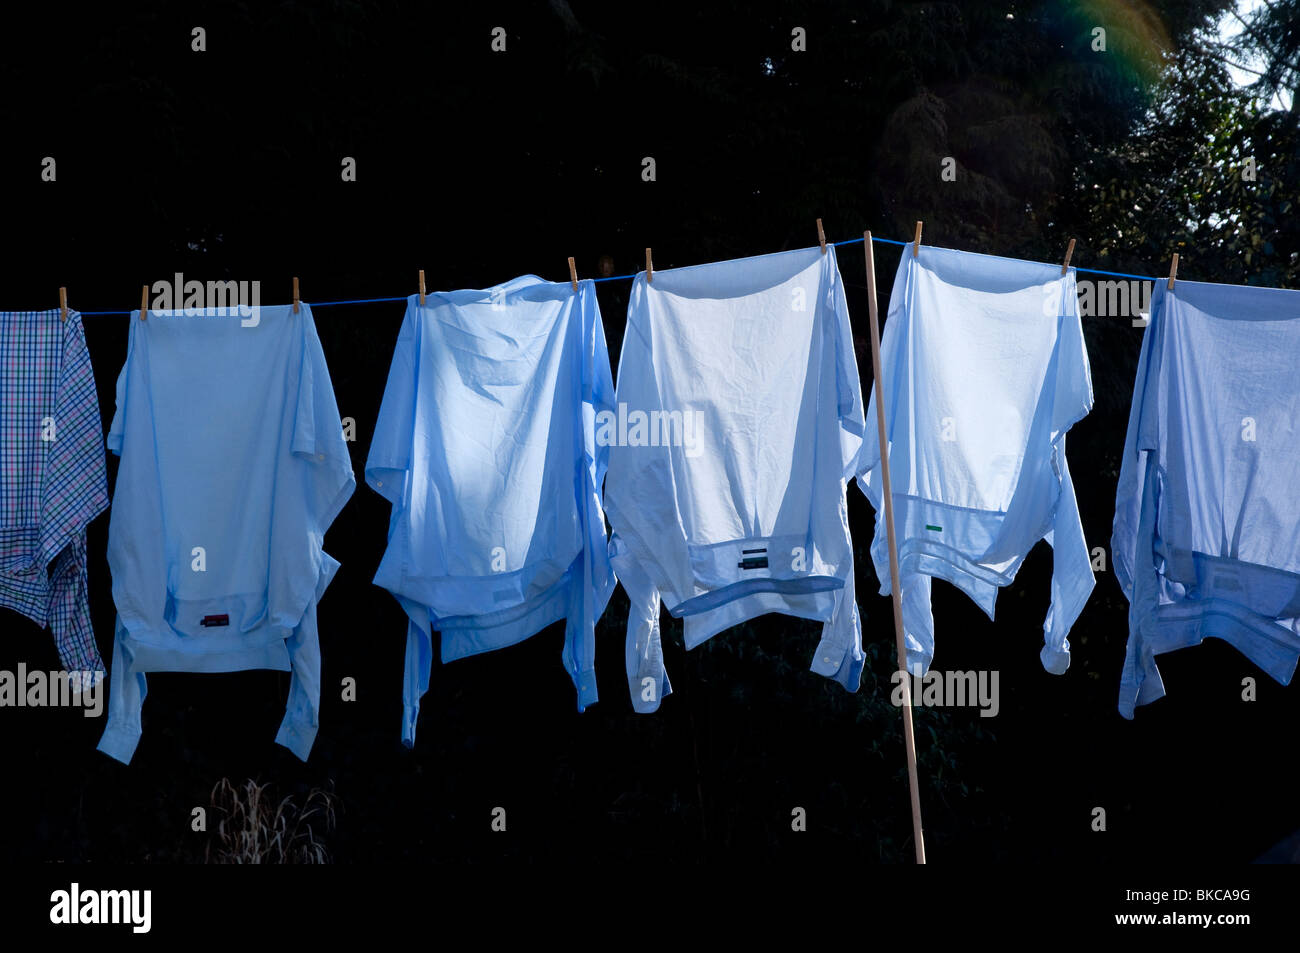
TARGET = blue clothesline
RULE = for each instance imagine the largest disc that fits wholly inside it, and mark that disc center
(847, 241)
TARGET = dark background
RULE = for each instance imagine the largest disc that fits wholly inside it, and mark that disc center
(479, 166)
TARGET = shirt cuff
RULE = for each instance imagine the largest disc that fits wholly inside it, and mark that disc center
(119, 743)
(640, 703)
(297, 738)
(586, 685)
(1055, 661)
(410, 715)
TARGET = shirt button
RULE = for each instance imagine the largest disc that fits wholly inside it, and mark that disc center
(322, 456)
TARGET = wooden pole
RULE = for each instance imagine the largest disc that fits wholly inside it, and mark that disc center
(909, 735)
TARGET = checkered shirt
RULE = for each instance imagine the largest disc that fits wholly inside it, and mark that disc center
(53, 477)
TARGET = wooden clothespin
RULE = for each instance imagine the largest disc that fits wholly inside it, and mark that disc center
(573, 274)
(916, 245)
(1173, 271)
(144, 302)
(821, 236)
(63, 305)
(421, 287)
(1065, 265)
(295, 295)
(649, 268)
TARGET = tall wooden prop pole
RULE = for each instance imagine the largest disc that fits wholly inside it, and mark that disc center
(909, 736)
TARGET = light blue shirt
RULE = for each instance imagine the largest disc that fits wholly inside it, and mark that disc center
(739, 419)
(984, 371)
(485, 446)
(233, 465)
(1207, 534)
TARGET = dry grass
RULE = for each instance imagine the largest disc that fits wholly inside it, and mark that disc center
(253, 829)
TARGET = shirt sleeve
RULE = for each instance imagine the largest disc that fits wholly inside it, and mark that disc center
(598, 393)
(1139, 439)
(125, 702)
(388, 465)
(74, 492)
(597, 582)
(69, 615)
(1072, 577)
(848, 385)
(1073, 395)
(75, 488)
(642, 505)
(318, 435)
(839, 653)
(389, 460)
(302, 713)
(868, 464)
(328, 483)
(647, 680)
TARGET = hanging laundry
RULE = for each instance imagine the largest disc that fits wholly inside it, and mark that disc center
(485, 447)
(739, 420)
(233, 466)
(1207, 534)
(53, 479)
(984, 371)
